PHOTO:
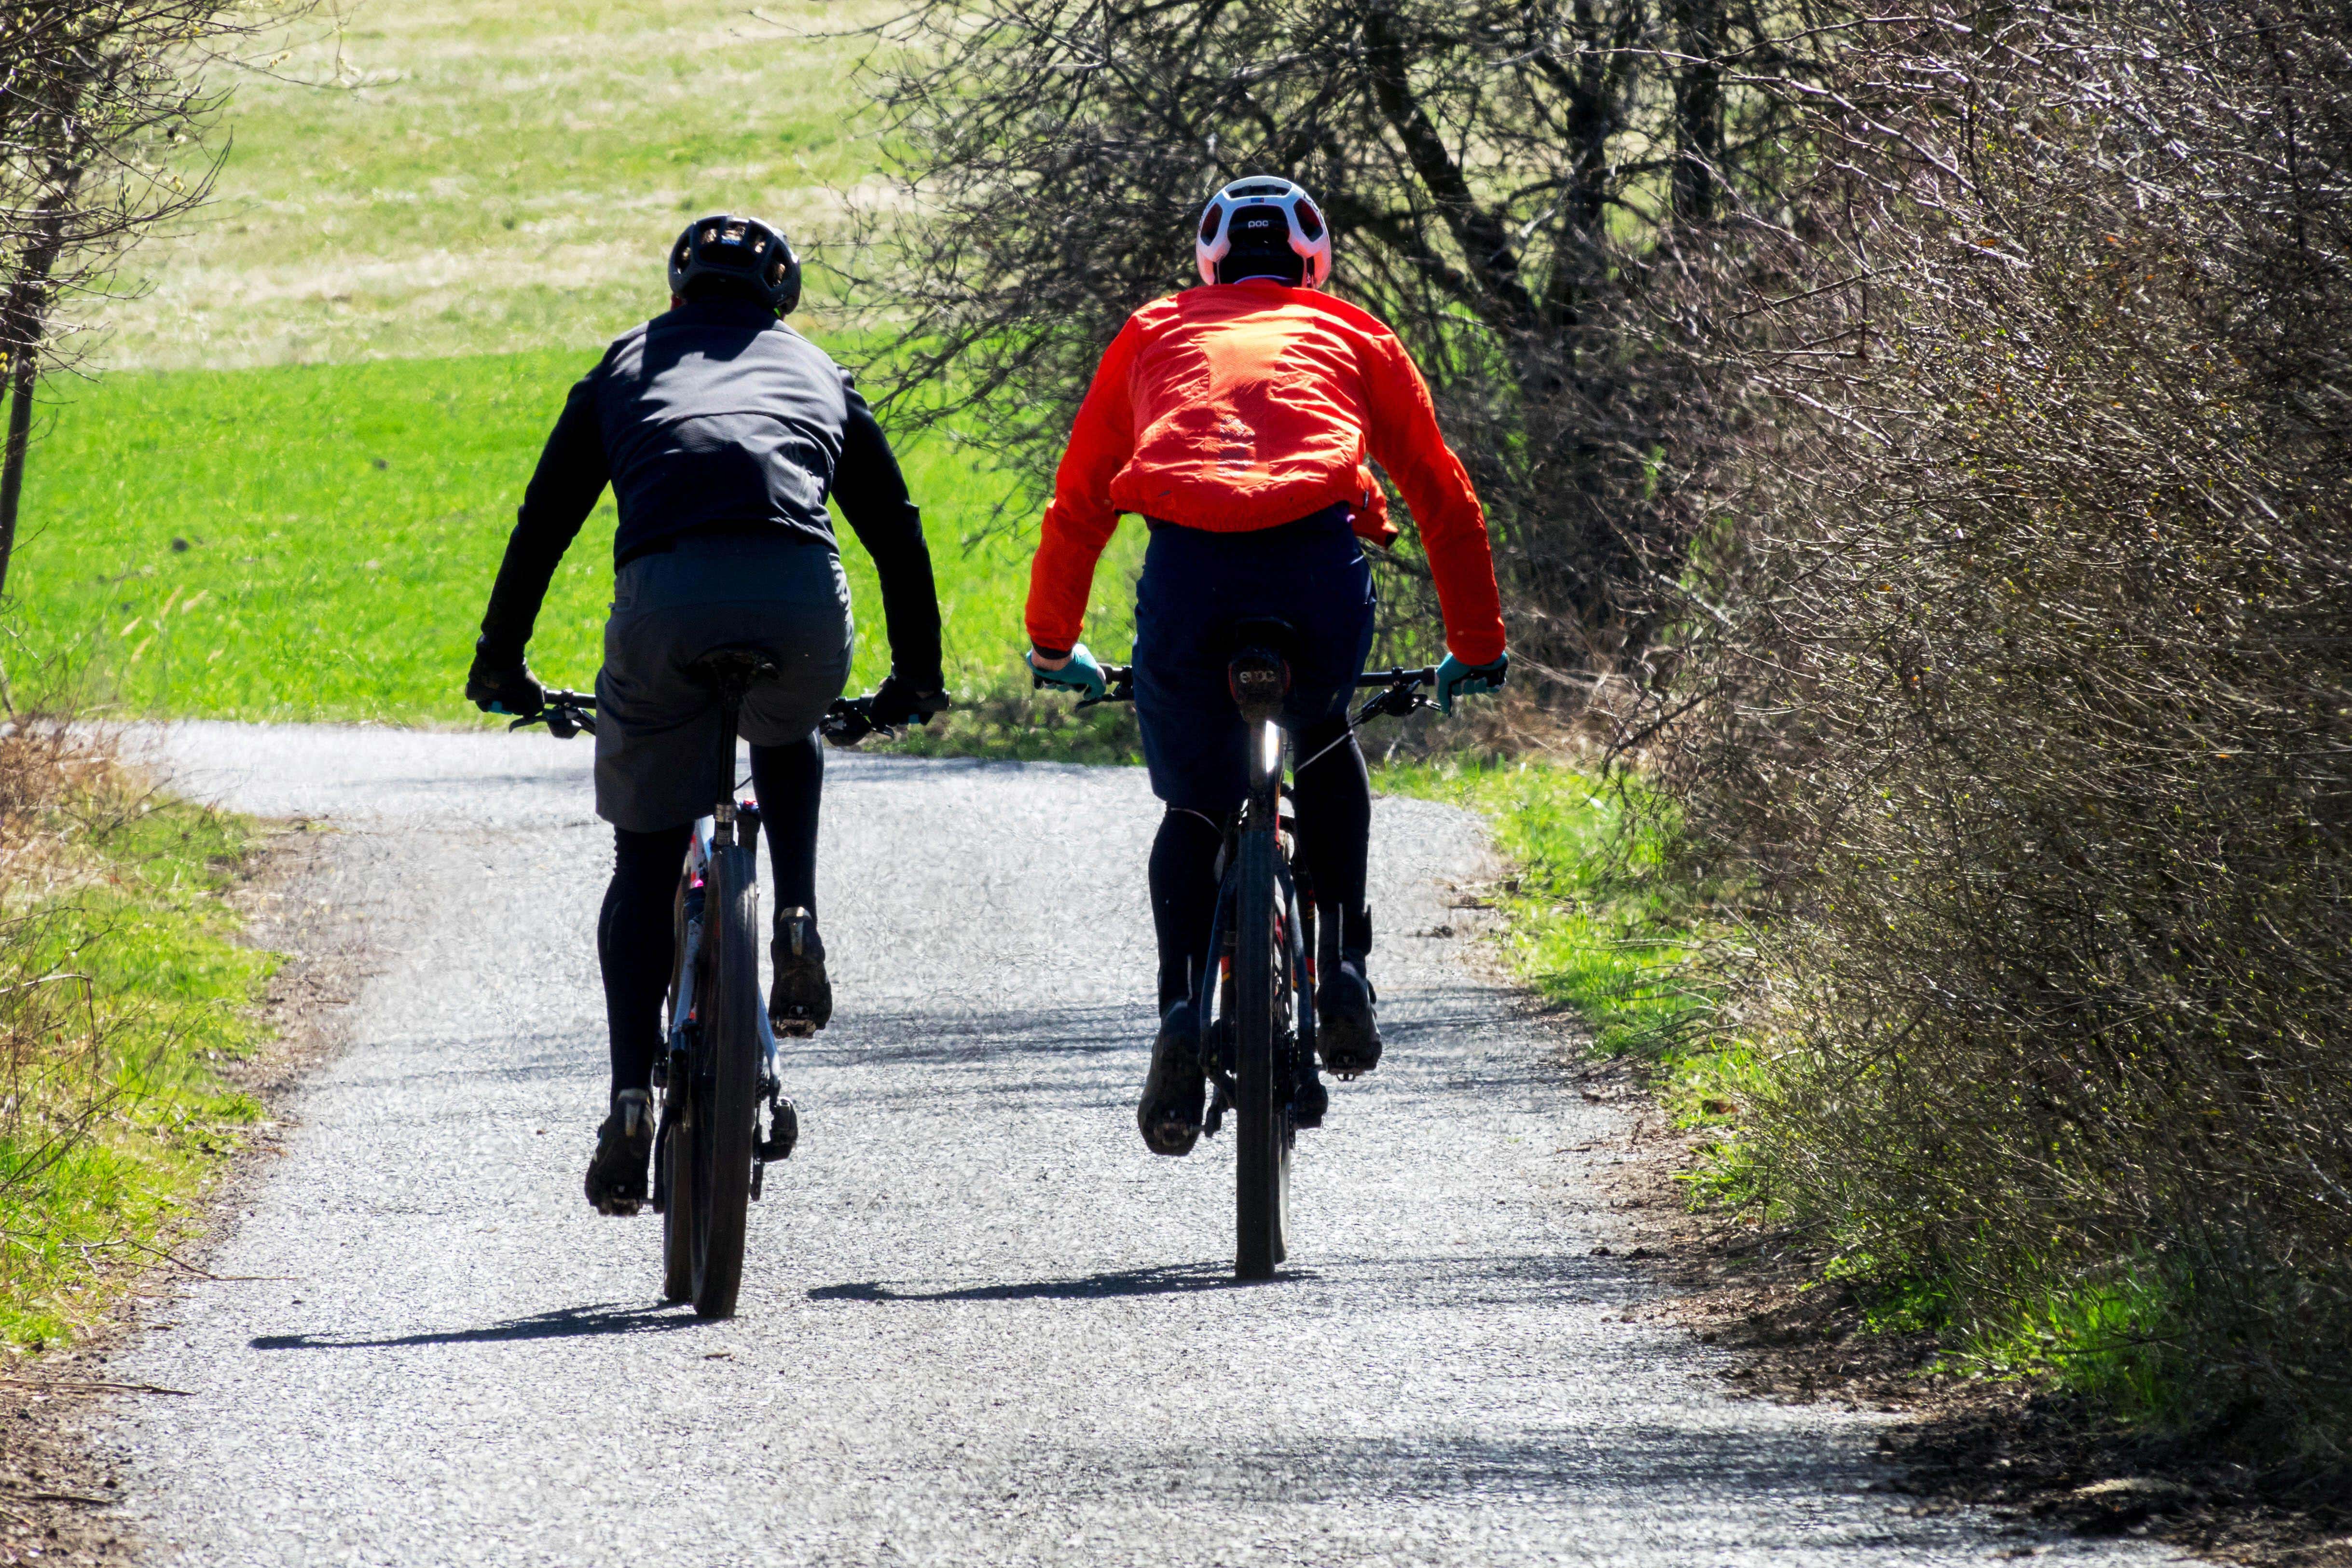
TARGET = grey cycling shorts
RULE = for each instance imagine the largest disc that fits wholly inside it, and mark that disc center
(657, 728)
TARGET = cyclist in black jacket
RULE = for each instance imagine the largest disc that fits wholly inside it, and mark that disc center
(723, 432)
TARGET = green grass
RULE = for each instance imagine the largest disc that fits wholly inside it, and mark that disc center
(169, 996)
(334, 389)
(337, 527)
(1597, 921)
(1600, 919)
(442, 177)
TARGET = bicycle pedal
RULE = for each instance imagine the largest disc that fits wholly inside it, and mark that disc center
(794, 1028)
(783, 1132)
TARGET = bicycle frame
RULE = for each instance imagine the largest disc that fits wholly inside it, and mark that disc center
(698, 862)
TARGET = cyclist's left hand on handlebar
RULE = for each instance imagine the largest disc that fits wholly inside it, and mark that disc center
(1079, 672)
(1456, 679)
(511, 689)
(898, 703)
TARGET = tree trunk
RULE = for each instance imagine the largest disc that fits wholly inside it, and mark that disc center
(1698, 108)
(27, 319)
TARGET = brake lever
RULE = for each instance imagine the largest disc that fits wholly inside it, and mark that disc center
(562, 720)
(850, 725)
(1120, 691)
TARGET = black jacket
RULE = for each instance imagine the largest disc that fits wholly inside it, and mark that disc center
(716, 416)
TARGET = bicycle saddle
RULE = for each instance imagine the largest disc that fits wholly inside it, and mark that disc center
(734, 668)
(1258, 675)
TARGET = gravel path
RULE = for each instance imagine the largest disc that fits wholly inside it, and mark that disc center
(981, 1324)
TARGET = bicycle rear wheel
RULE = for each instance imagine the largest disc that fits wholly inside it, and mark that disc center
(1261, 1083)
(673, 1174)
(723, 1097)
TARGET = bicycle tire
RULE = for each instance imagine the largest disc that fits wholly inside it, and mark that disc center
(673, 1172)
(1262, 1161)
(724, 1099)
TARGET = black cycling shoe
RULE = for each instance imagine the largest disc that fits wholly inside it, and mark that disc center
(1175, 1090)
(1345, 1028)
(624, 1148)
(1308, 1098)
(800, 1002)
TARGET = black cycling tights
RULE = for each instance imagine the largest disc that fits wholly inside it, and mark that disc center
(1335, 831)
(635, 942)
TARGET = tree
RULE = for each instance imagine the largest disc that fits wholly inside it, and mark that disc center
(1534, 192)
(99, 101)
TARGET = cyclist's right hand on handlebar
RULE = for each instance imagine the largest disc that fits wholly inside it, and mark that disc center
(897, 703)
(1079, 672)
(511, 689)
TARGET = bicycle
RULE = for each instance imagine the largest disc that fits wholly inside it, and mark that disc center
(710, 1157)
(1257, 1045)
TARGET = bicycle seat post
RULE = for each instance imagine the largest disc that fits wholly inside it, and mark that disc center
(730, 720)
(731, 673)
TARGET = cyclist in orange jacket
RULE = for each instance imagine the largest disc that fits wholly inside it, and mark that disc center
(1237, 419)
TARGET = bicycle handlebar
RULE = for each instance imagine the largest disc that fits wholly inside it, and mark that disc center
(1399, 686)
(850, 720)
(565, 714)
(568, 713)
(1118, 685)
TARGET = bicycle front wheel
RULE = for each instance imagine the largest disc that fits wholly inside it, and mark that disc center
(1262, 1185)
(723, 1103)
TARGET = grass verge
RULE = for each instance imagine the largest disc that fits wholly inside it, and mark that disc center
(122, 990)
(1598, 921)
(1603, 919)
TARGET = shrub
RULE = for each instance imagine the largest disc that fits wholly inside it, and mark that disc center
(2025, 689)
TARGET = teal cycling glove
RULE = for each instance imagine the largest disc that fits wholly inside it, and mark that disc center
(1456, 679)
(1081, 674)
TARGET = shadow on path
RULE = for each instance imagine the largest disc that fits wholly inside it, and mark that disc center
(563, 1323)
(1175, 1279)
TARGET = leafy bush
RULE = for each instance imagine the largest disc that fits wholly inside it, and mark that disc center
(2025, 683)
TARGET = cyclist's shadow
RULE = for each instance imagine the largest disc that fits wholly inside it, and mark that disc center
(1171, 1280)
(563, 1323)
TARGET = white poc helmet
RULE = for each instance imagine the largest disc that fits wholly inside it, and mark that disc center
(1263, 217)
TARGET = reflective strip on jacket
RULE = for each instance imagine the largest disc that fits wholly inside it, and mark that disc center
(1238, 406)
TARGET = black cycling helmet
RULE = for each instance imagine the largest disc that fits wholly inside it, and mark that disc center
(741, 250)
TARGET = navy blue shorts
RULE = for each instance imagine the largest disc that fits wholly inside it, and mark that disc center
(1196, 586)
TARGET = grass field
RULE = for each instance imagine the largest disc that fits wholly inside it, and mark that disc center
(1598, 920)
(443, 178)
(285, 491)
(302, 541)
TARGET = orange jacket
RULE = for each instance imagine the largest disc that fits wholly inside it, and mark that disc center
(1238, 406)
